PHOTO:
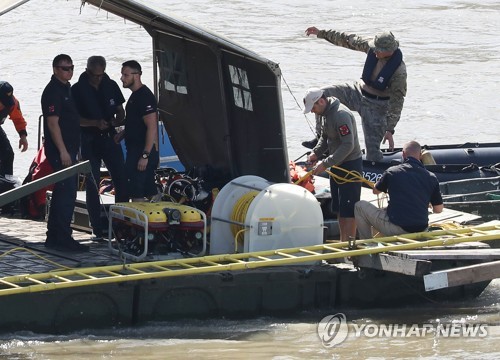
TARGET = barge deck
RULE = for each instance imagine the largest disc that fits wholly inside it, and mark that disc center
(276, 290)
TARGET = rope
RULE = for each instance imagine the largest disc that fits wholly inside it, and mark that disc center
(240, 211)
(351, 176)
(35, 254)
(447, 226)
(299, 180)
(311, 127)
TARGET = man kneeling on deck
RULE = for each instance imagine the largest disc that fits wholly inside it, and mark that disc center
(411, 187)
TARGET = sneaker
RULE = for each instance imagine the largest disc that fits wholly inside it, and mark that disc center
(74, 245)
(70, 245)
(310, 144)
(99, 239)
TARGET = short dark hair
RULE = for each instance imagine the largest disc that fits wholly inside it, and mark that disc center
(60, 58)
(96, 60)
(133, 65)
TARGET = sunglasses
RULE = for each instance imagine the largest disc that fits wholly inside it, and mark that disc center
(66, 68)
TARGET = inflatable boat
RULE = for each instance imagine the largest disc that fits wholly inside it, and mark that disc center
(448, 162)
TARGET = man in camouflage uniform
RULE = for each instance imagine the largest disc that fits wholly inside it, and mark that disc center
(378, 96)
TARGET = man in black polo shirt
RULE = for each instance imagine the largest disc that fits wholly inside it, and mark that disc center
(411, 188)
(141, 134)
(99, 102)
(61, 126)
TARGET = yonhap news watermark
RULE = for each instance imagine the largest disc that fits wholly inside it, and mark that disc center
(334, 329)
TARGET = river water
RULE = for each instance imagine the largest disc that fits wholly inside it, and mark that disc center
(451, 52)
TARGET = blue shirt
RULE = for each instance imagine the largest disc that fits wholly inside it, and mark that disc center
(411, 187)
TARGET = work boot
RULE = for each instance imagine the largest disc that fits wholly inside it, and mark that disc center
(310, 144)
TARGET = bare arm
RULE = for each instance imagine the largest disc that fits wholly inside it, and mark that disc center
(436, 209)
(23, 143)
(151, 121)
(120, 116)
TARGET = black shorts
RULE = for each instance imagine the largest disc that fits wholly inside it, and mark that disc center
(345, 195)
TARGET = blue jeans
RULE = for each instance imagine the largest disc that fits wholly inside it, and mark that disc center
(97, 148)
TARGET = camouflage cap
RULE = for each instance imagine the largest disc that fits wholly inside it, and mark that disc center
(384, 41)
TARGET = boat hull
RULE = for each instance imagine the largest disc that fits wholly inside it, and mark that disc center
(279, 291)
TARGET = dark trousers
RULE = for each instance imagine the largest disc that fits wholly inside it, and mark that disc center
(6, 155)
(141, 183)
(97, 148)
(62, 205)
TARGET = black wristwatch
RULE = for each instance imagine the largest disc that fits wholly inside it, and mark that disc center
(145, 155)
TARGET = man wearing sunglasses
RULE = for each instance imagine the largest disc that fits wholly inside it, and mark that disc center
(61, 126)
(99, 102)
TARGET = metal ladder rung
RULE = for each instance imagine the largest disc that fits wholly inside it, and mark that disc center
(9, 284)
(161, 268)
(34, 280)
(212, 263)
(484, 232)
(285, 254)
(134, 269)
(87, 276)
(333, 249)
(449, 232)
(187, 266)
(112, 273)
(63, 279)
(309, 252)
(237, 261)
(408, 241)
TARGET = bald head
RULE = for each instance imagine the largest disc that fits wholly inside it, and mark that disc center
(413, 149)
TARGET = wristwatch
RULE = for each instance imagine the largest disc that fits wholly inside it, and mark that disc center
(145, 155)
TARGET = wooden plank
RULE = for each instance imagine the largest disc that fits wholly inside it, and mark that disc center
(450, 254)
(21, 191)
(462, 276)
(395, 264)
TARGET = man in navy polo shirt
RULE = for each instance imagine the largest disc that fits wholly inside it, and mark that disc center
(99, 102)
(61, 126)
(411, 188)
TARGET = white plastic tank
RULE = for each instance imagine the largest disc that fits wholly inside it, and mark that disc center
(277, 216)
